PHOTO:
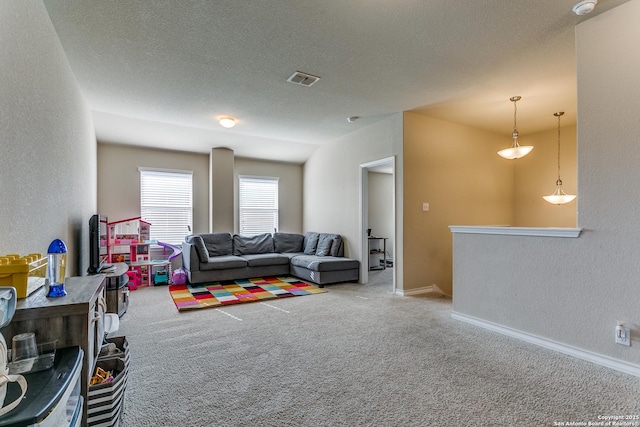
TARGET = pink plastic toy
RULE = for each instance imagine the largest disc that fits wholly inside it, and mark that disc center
(134, 280)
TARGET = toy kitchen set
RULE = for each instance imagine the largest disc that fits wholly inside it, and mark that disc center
(59, 365)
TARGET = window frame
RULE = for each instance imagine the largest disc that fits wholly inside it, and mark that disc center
(274, 207)
(168, 234)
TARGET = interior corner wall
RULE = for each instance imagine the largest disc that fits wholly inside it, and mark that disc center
(332, 182)
(119, 180)
(290, 179)
(221, 192)
(48, 161)
(536, 174)
(455, 169)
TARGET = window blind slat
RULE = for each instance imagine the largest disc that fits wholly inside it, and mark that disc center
(258, 205)
(166, 201)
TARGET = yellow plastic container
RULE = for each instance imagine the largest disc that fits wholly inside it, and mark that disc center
(25, 273)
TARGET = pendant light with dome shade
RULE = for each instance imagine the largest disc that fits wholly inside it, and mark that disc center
(516, 150)
(559, 197)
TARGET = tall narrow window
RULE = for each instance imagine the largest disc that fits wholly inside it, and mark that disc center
(166, 201)
(258, 205)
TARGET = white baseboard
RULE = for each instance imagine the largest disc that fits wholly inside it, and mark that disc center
(609, 362)
(417, 291)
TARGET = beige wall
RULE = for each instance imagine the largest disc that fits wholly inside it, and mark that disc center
(456, 170)
(48, 156)
(119, 180)
(574, 291)
(536, 174)
(289, 189)
(332, 183)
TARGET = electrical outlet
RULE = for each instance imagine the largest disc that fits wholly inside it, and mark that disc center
(623, 335)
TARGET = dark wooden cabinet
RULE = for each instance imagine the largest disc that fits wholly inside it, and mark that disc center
(76, 319)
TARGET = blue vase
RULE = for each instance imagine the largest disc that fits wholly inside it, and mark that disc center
(56, 266)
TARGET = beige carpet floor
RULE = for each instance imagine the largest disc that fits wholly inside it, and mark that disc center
(354, 356)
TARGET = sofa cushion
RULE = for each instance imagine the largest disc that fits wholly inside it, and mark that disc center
(218, 244)
(288, 242)
(223, 262)
(260, 244)
(336, 246)
(310, 242)
(201, 249)
(325, 263)
(290, 255)
(325, 242)
(256, 260)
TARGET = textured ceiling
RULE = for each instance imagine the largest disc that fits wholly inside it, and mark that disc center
(159, 73)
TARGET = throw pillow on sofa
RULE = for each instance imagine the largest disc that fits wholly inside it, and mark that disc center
(310, 242)
(288, 242)
(260, 244)
(201, 249)
(324, 244)
(210, 244)
(336, 246)
(218, 244)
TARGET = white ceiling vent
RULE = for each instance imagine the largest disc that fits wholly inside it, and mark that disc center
(303, 79)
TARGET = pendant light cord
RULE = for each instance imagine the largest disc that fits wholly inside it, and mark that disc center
(514, 134)
(559, 182)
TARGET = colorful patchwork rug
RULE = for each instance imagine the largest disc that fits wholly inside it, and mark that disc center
(216, 294)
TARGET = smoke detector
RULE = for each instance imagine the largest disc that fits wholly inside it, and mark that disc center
(584, 7)
(303, 79)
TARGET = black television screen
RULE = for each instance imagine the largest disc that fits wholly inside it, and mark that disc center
(97, 243)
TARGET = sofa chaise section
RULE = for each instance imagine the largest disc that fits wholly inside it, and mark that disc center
(315, 257)
(327, 269)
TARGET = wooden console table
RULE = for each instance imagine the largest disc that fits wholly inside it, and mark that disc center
(76, 319)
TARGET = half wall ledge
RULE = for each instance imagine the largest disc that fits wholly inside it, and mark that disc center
(517, 231)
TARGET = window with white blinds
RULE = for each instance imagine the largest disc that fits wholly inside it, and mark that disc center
(166, 201)
(258, 205)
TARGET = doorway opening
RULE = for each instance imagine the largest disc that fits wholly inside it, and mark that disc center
(377, 218)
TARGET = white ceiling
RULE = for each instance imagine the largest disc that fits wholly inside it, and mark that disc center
(159, 73)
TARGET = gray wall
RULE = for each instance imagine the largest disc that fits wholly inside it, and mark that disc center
(119, 183)
(332, 178)
(119, 180)
(48, 160)
(574, 291)
(221, 195)
(289, 189)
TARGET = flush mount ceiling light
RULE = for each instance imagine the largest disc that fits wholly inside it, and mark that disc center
(227, 122)
(559, 197)
(584, 7)
(516, 150)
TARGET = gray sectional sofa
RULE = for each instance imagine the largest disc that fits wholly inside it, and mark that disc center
(314, 257)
